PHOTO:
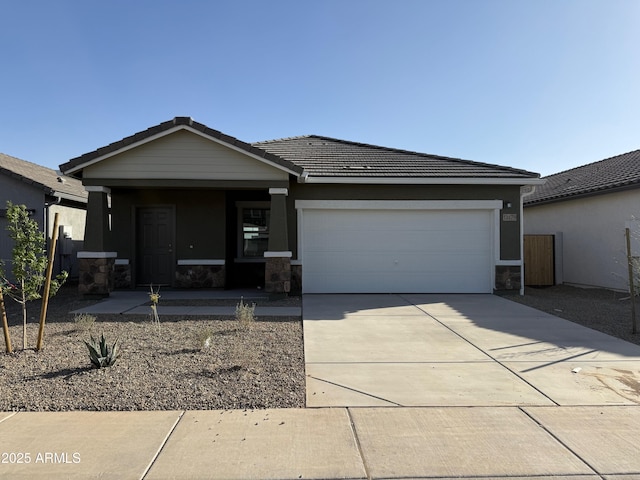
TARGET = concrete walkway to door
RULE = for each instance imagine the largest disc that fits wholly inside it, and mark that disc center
(458, 350)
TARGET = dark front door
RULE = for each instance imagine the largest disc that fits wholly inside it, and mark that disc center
(155, 239)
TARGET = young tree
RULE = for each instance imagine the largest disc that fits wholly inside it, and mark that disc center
(29, 262)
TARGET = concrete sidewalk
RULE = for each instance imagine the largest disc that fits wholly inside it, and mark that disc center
(329, 443)
(134, 303)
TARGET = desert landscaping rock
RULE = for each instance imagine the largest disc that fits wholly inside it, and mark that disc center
(172, 367)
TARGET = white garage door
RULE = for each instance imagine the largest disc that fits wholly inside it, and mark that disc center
(397, 251)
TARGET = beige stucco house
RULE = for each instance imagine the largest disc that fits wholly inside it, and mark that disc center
(44, 192)
(588, 208)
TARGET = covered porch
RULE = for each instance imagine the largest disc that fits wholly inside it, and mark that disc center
(184, 206)
(186, 238)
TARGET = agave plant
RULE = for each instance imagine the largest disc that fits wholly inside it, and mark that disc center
(100, 354)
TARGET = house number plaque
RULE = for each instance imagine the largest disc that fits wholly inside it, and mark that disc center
(509, 217)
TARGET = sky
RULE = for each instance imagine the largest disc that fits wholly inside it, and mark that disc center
(541, 85)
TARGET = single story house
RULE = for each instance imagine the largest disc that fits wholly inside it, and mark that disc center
(588, 209)
(44, 192)
(183, 205)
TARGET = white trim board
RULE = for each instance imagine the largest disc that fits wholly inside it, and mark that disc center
(400, 204)
(197, 262)
(97, 254)
(277, 254)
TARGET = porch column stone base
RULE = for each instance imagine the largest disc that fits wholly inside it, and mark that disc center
(508, 278)
(277, 273)
(200, 276)
(296, 279)
(122, 276)
(96, 273)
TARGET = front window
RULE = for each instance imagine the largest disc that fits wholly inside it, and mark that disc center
(255, 231)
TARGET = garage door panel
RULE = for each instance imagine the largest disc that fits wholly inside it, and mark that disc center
(385, 261)
(370, 220)
(405, 241)
(378, 282)
(396, 251)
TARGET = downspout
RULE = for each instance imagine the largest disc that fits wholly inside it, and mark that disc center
(524, 192)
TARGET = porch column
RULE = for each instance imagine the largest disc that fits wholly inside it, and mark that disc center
(278, 256)
(97, 232)
(96, 262)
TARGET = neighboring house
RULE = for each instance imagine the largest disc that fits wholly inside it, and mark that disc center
(192, 207)
(588, 209)
(45, 193)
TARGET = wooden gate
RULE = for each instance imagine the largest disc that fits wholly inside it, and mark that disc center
(538, 260)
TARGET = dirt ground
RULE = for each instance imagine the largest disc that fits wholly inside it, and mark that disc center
(604, 310)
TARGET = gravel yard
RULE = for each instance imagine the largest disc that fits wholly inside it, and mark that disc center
(173, 367)
(603, 310)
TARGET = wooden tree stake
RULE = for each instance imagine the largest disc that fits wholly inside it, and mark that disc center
(5, 324)
(47, 283)
(627, 233)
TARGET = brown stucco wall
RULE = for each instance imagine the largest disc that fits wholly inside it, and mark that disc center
(509, 231)
(200, 220)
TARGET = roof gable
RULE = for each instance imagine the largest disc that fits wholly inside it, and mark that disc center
(332, 158)
(47, 179)
(76, 165)
(182, 155)
(611, 174)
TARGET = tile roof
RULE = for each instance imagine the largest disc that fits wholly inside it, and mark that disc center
(77, 163)
(330, 157)
(610, 174)
(320, 156)
(42, 177)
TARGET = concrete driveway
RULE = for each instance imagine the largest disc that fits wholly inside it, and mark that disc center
(458, 350)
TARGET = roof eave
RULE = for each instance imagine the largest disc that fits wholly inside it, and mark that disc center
(69, 196)
(424, 180)
(577, 196)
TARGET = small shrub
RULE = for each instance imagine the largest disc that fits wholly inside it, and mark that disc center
(84, 321)
(245, 313)
(100, 354)
(204, 338)
(154, 296)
